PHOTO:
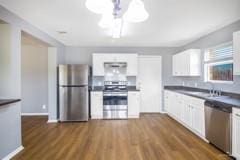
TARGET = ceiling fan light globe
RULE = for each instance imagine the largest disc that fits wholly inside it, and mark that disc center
(136, 12)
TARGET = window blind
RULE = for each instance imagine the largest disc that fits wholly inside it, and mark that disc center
(221, 52)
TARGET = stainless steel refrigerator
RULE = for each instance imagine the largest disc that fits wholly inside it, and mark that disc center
(73, 92)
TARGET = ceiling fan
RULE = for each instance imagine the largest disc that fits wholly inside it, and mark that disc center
(110, 11)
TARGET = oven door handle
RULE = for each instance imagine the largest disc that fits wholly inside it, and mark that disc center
(114, 94)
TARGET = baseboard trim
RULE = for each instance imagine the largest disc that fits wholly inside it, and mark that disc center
(13, 153)
(163, 112)
(52, 121)
(34, 114)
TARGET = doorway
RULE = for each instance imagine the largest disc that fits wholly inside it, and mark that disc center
(38, 78)
(150, 83)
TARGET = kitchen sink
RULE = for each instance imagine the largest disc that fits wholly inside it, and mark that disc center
(204, 94)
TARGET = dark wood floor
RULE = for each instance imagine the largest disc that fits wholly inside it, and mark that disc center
(152, 137)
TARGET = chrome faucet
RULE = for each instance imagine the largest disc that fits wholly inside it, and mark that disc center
(214, 92)
(211, 90)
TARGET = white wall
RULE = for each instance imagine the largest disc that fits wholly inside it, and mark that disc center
(34, 78)
(10, 87)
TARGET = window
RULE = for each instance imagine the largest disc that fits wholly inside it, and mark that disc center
(218, 63)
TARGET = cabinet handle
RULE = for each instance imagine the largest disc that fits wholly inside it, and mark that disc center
(238, 115)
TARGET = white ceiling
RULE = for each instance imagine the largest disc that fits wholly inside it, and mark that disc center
(171, 22)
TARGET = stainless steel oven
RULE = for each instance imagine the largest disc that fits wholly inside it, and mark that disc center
(115, 105)
(115, 101)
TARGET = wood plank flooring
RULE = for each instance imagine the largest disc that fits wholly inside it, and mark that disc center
(152, 137)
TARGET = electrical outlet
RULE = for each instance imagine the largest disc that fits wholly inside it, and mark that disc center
(44, 106)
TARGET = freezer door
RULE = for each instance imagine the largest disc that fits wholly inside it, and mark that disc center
(73, 75)
(73, 103)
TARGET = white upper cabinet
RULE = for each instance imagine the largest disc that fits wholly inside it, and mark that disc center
(100, 59)
(236, 52)
(132, 65)
(98, 65)
(187, 63)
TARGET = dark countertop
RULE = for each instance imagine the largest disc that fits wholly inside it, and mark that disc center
(4, 102)
(97, 88)
(133, 88)
(226, 100)
(101, 88)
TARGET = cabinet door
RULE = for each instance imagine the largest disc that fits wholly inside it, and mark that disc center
(98, 64)
(236, 41)
(198, 119)
(182, 64)
(194, 65)
(166, 101)
(237, 63)
(177, 103)
(171, 102)
(174, 65)
(236, 51)
(133, 104)
(187, 114)
(96, 105)
(132, 65)
(236, 133)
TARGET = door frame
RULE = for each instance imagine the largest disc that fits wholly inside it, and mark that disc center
(52, 85)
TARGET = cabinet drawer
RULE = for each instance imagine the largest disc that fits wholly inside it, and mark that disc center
(236, 111)
(197, 101)
(186, 98)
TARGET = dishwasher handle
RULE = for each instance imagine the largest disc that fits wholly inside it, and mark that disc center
(214, 105)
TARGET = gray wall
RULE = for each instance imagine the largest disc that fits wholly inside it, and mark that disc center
(10, 87)
(221, 36)
(14, 20)
(22, 25)
(34, 78)
(74, 55)
(10, 124)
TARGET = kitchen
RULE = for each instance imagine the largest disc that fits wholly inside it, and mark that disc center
(165, 93)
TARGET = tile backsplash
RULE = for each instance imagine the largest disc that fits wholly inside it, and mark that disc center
(199, 83)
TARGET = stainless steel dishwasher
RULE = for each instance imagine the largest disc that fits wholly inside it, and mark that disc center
(218, 123)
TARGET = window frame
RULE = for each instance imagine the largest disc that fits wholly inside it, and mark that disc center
(207, 63)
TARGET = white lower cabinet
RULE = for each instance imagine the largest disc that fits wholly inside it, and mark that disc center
(236, 133)
(198, 119)
(187, 110)
(133, 104)
(96, 105)
(187, 114)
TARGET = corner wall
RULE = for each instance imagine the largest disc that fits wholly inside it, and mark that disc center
(10, 88)
(219, 37)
